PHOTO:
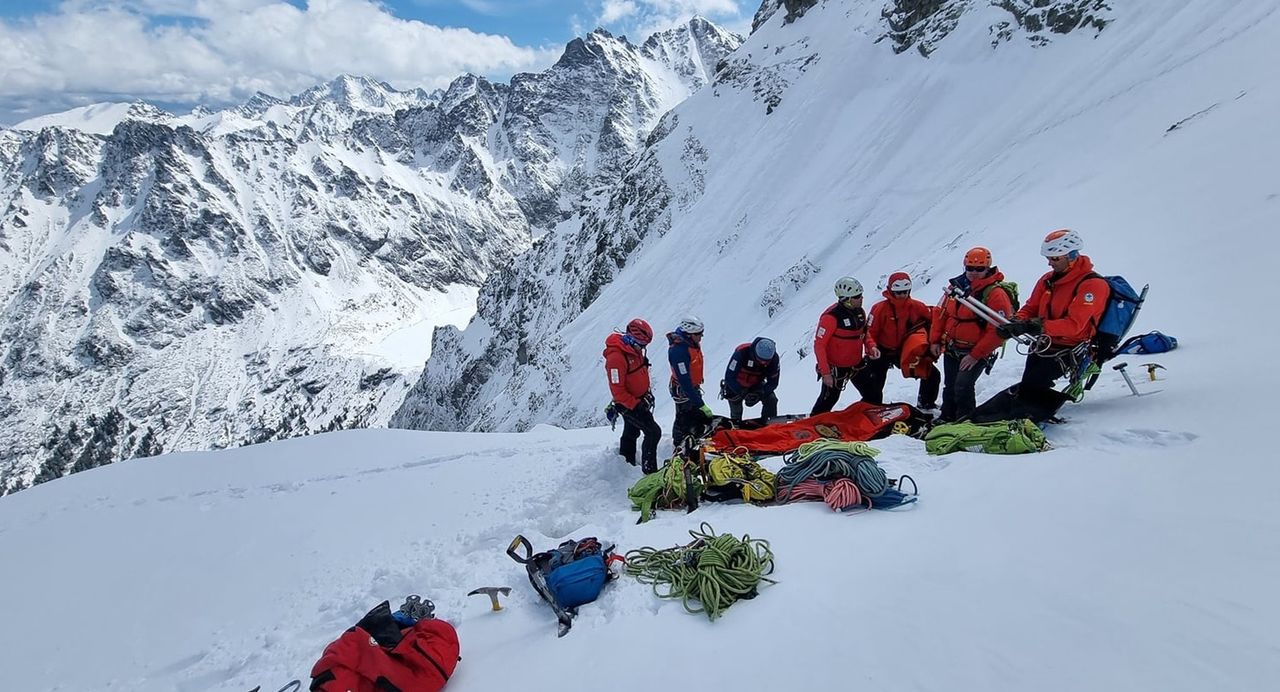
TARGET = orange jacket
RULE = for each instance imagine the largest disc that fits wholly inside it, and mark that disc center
(892, 319)
(915, 359)
(841, 338)
(627, 370)
(1069, 305)
(961, 328)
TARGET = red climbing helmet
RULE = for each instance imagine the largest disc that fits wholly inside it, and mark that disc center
(640, 330)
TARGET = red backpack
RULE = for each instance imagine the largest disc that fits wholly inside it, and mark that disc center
(377, 655)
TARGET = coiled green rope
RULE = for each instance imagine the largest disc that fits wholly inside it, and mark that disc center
(714, 570)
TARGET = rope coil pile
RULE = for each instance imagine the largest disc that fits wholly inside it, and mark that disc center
(831, 459)
(709, 574)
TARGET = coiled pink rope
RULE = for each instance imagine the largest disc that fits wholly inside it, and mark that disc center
(840, 494)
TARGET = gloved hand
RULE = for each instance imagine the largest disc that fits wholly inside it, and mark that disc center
(751, 399)
(873, 353)
(935, 349)
(706, 412)
(1019, 327)
(645, 403)
(968, 362)
(611, 414)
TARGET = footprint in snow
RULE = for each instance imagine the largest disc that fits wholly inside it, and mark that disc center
(1146, 437)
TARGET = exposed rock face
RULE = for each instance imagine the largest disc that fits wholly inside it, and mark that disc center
(922, 24)
(220, 278)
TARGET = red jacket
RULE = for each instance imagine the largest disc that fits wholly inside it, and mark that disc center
(627, 370)
(892, 319)
(422, 660)
(841, 339)
(961, 328)
(1069, 305)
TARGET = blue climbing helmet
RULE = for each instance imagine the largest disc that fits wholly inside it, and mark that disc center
(764, 348)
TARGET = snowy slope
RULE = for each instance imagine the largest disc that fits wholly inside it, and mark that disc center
(820, 151)
(1113, 562)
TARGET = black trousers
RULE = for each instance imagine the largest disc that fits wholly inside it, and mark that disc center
(958, 398)
(1040, 372)
(634, 422)
(689, 421)
(828, 397)
(768, 404)
(871, 378)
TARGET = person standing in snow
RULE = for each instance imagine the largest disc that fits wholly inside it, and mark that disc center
(840, 343)
(627, 369)
(1066, 305)
(967, 341)
(684, 352)
(892, 320)
(751, 378)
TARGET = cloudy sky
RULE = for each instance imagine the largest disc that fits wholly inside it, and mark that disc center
(58, 54)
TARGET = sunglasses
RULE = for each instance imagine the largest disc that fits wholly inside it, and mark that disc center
(975, 269)
(901, 293)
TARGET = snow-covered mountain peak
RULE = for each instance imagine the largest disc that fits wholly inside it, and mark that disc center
(98, 118)
(693, 50)
(281, 264)
(357, 93)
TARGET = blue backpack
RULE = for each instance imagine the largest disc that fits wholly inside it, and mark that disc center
(1151, 342)
(576, 579)
(1123, 304)
(567, 576)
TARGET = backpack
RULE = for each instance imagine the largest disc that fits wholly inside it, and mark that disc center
(666, 488)
(1151, 342)
(1019, 436)
(739, 477)
(1123, 304)
(575, 571)
(378, 654)
(1010, 287)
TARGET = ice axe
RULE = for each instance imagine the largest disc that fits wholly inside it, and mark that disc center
(1127, 380)
(1152, 368)
(492, 592)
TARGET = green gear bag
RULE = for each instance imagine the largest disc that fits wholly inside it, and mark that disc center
(1001, 437)
(663, 489)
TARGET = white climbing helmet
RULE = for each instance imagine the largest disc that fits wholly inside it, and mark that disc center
(691, 325)
(1061, 242)
(848, 287)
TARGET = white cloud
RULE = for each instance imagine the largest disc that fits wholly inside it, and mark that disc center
(614, 10)
(218, 52)
(640, 18)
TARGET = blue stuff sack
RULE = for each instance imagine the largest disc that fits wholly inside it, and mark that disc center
(1151, 342)
(578, 582)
